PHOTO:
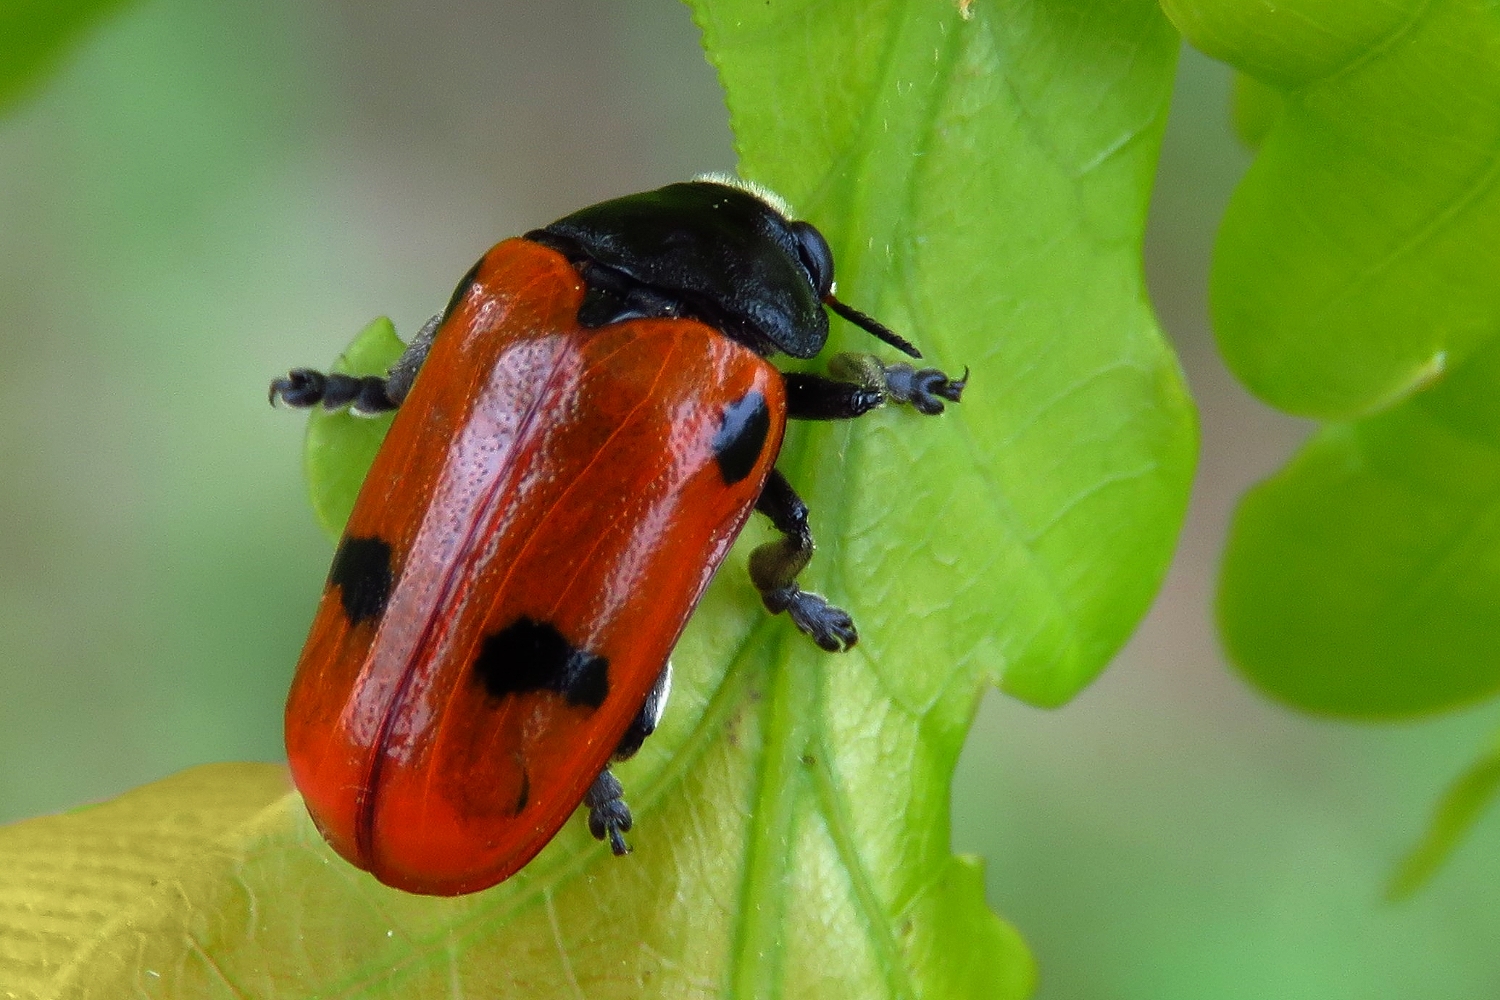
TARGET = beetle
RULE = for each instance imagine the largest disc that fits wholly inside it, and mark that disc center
(579, 438)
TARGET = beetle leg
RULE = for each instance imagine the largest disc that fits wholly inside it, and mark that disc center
(609, 816)
(646, 719)
(774, 567)
(403, 373)
(305, 387)
(365, 395)
(861, 382)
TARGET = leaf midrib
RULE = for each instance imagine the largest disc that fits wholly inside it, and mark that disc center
(754, 971)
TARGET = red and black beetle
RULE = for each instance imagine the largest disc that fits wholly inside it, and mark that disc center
(581, 435)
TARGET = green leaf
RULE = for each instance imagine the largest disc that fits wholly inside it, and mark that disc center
(1254, 109)
(34, 34)
(137, 897)
(340, 446)
(984, 184)
(1358, 258)
(1362, 579)
(1460, 807)
(1354, 280)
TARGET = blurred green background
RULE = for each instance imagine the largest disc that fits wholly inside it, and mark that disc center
(202, 195)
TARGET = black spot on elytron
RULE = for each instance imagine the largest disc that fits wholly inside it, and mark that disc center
(742, 435)
(528, 655)
(589, 685)
(524, 798)
(463, 287)
(362, 572)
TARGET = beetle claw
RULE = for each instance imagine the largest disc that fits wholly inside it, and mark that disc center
(924, 388)
(301, 388)
(830, 627)
(609, 816)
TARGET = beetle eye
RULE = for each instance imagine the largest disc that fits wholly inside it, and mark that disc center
(816, 257)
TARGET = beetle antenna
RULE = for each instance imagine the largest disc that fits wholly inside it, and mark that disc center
(871, 325)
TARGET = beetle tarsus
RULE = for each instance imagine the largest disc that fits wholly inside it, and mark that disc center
(365, 395)
(609, 816)
(828, 626)
(924, 389)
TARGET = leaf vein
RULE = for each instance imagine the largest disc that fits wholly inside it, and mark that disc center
(1380, 46)
(562, 948)
(831, 805)
(1082, 496)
